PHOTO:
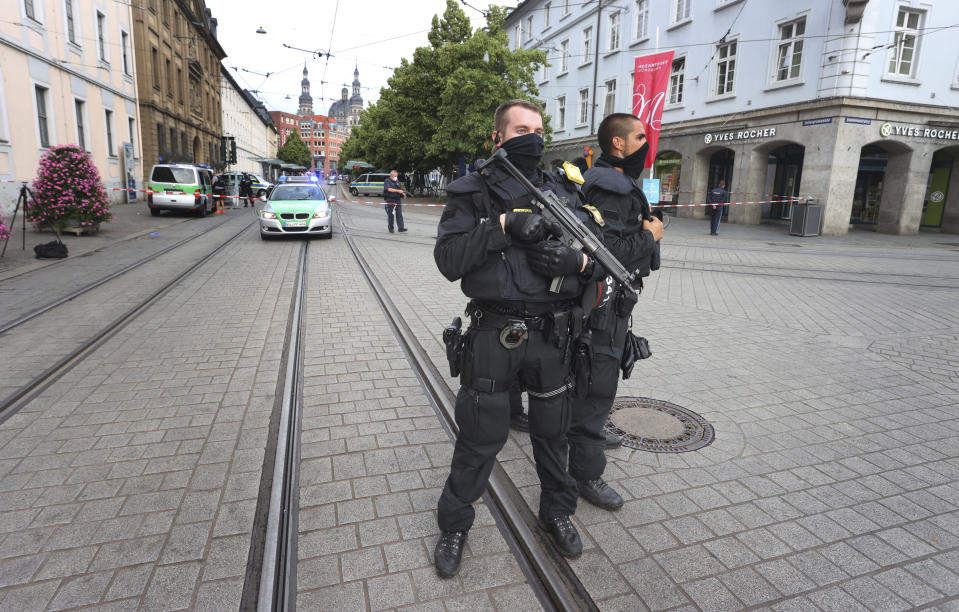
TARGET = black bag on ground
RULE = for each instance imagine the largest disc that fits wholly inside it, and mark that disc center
(51, 250)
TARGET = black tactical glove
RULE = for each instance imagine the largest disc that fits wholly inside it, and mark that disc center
(529, 227)
(551, 260)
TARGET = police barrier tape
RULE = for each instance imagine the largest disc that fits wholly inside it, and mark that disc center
(226, 197)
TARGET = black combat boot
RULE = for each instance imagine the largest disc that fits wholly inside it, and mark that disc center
(449, 553)
(563, 533)
(613, 440)
(598, 493)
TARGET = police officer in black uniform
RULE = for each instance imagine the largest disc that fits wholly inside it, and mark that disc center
(631, 234)
(490, 239)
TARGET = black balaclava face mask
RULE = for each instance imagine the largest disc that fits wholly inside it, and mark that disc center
(525, 151)
(632, 164)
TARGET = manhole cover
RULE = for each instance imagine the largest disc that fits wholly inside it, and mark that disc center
(658, 427)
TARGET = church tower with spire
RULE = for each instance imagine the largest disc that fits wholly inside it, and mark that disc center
(306, 100)
(356, 100)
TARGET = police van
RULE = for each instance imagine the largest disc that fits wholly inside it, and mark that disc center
(369, 184)
(186, 187)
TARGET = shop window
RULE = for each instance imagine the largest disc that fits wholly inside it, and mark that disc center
(783, 178)
(725, 68)
(902, 55)
(667, 169)
(867, 194)
(789, 53)
(677, 76)
(937, 189)
(642, 19)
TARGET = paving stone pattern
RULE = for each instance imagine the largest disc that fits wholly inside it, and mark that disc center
(827, 369)
(374, 459)
(131, 482)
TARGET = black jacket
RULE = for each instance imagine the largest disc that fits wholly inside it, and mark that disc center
(624, 207)
(472, 247)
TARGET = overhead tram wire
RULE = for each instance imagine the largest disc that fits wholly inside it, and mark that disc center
(336, 11)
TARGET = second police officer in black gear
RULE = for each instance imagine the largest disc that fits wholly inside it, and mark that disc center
(488, 238)
(631, 234)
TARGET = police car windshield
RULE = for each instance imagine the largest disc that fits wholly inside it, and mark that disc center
(297, 192)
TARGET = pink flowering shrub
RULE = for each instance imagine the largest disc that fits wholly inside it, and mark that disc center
(67, 186)
(4, 230)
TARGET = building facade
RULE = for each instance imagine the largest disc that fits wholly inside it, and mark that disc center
(67, 76)
(246, 119)
(323, 136)
(850, 102)
(178, 80)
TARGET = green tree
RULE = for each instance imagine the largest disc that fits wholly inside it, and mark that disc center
(295, 151)
(439, 106)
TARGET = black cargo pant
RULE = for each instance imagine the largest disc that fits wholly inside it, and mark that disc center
(483, 420)
(587, 438)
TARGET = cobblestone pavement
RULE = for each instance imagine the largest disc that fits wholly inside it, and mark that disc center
(827, 367)
(131, 482)
(374, 459)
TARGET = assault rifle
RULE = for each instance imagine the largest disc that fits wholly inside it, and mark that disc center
(575, 234)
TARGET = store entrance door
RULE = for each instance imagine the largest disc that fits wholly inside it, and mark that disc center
(721, 168)
(869, 182)
(936, 190)
(787, 175)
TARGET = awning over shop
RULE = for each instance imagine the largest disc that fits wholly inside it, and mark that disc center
(271, 161)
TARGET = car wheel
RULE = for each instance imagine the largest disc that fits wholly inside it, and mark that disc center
(155, 212)
(201, 212)
(353, 192)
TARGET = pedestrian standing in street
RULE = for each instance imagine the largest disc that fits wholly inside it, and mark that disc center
(491, 240)
(218, 194)
(393, 194)
(718, 196)
(631, 234)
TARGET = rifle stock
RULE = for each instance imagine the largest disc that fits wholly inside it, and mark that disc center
(576, 234)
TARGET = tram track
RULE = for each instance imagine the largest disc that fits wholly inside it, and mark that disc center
(36, 312)
(16, 400)
(547, 571)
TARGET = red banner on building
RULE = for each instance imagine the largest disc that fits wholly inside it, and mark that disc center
(650, 83)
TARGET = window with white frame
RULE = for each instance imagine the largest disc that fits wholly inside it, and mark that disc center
(725, 68)
(902, 58)
(108, 119)
(583, 106)
(565, 7)
(102, 36)
(71, 24)
(31, 9)
(125, 51)
(546, 10)
(564, 56)
(642, 19)
(561, 113)
(79, 111)
(613, 31)
(516, 37)
(529, 28)
(680, 10)
(545, 71)
(42, 119)
(609, 106)
(587, 44)
(789, 52)
(677, 76)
